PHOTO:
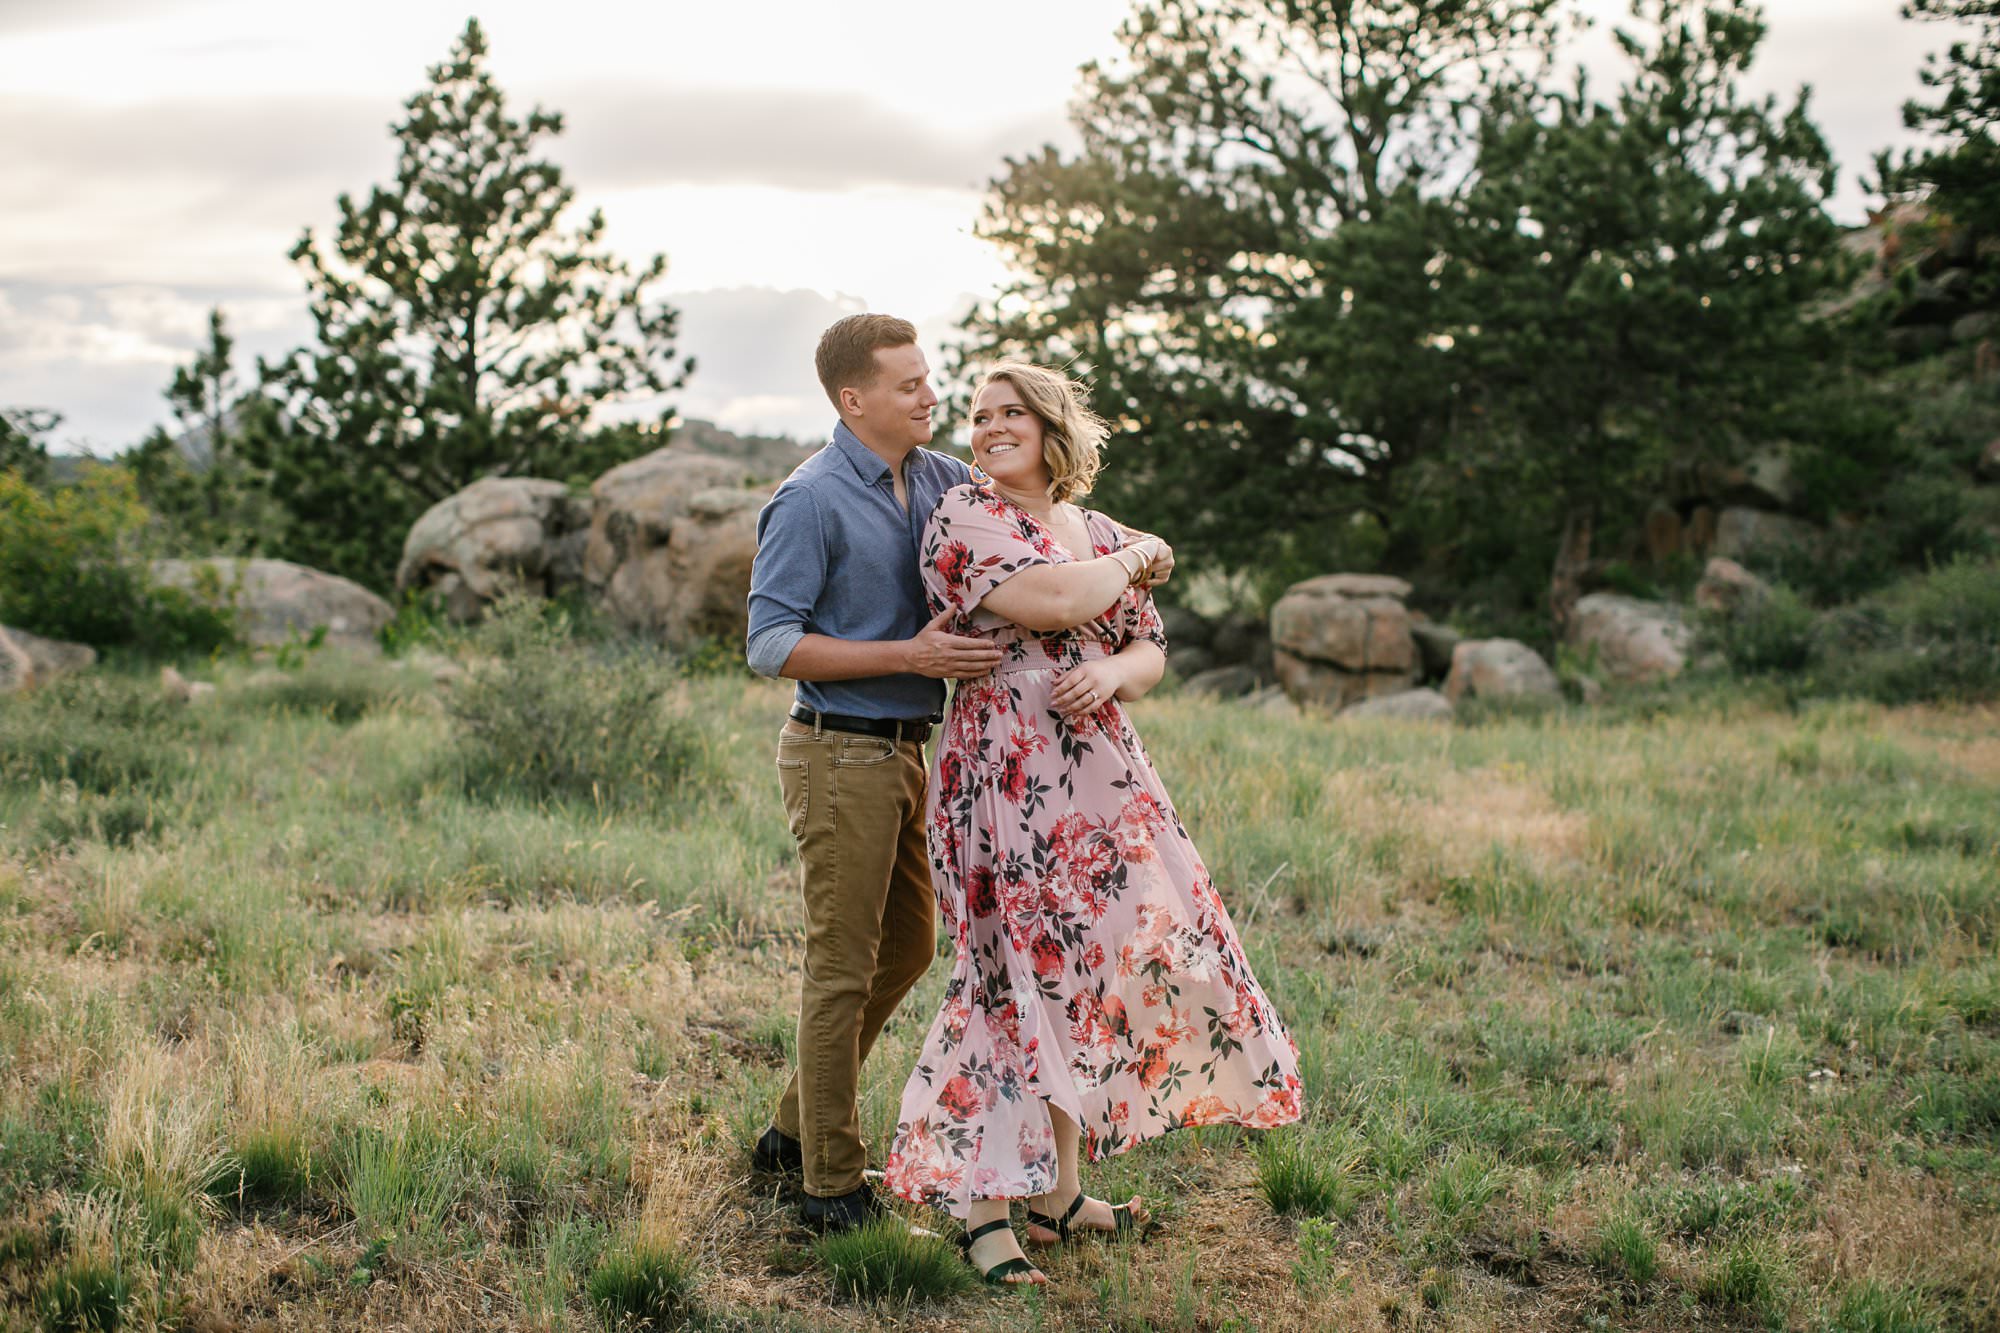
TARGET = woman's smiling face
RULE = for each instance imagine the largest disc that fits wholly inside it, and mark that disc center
(1007, 439)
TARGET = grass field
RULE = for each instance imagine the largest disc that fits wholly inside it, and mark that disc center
(1660, 1019)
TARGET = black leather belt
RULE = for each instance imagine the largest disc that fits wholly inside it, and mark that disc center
(888, 728)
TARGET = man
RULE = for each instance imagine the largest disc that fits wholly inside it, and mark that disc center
(837, 604)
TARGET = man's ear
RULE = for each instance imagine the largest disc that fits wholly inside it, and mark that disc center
(850, 402)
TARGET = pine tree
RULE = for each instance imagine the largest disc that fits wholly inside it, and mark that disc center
(463, 331)
(205, 496)
(22, 448)
(1964, 172)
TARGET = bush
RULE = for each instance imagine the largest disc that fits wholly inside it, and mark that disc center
(1934, 636)
(108, 734)
(546, 717)
(69, 568)
(1771, 634)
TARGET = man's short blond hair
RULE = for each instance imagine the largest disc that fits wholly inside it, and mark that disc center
(846, 355)
(1072, 435)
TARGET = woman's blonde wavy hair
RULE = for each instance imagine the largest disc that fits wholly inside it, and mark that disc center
(1072, 435)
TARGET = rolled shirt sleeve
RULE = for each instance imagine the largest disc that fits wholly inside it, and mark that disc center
(786, 578)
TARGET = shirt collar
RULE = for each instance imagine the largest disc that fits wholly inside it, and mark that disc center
(867, 464)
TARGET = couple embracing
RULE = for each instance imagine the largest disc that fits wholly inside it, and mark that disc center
(1100, 996)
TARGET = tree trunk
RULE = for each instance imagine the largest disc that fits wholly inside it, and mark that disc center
(1572, 559)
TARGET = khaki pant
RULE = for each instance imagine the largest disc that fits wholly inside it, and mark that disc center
(856, 806)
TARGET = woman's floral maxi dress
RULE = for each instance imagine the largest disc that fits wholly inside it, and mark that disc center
(1096, 967)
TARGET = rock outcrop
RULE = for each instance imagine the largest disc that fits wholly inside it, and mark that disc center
(276, 600)
(1342, 638)
(672, 538)
(499, 535)
(1727, 587)
(49, 658)
(1633, 640)
(1409, 705)
(1499, 669)
(17, 672)
(1741, 532)
(1224, 682)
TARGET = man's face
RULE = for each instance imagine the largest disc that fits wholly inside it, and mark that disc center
(894, 411)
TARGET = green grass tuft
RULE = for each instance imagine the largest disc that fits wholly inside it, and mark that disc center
(644, 1285)
(1623, 1249)
(83, 1292)
(1744, 1276)
(887, 1262)
(1300, 1178)
(401, 1181)
(1875, 1307)
(272, 1165)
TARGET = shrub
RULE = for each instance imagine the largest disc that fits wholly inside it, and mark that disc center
(886, 1261)
(546, 717)
(106, 733)
(116, 820)
(69, 568)
(1933, 636)
(1771, 634)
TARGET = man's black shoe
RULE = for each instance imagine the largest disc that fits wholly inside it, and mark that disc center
(778, 1154)
(843, 1212)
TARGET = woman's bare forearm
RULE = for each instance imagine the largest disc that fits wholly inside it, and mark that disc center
(1141, 664)
(1058, 597)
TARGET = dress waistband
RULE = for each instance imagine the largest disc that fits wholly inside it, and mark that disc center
(1090, 653)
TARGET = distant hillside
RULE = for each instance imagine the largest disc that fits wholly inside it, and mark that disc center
(66, 469)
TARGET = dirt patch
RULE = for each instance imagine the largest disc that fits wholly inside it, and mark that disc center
(1966, 738)
(1463, 815)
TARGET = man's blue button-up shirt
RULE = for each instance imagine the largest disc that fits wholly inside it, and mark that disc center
(836, 555)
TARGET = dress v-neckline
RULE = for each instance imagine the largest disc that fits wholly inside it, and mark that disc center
(1054, 537)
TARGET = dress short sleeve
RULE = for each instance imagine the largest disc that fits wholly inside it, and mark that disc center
(974, 542)
(1145, 624)
(1135, 618)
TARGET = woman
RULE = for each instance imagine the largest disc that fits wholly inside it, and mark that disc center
(1100, 995)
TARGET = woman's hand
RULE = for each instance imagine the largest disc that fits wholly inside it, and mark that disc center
(1087, 688)
(1159, 558)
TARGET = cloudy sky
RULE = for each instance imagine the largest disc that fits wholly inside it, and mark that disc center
(794, 159)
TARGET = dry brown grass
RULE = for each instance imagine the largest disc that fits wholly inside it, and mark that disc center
(1554, 945)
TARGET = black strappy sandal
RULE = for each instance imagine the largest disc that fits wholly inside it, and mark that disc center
(1123, 1222)
(1006, 1268)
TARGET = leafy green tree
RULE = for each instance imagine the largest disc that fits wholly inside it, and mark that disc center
(1964, 171)
(1363, 280)
(200, 486)
(22, 448)
(463, 331)
(1229, 142)
(69, 568)
(1623, 287)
